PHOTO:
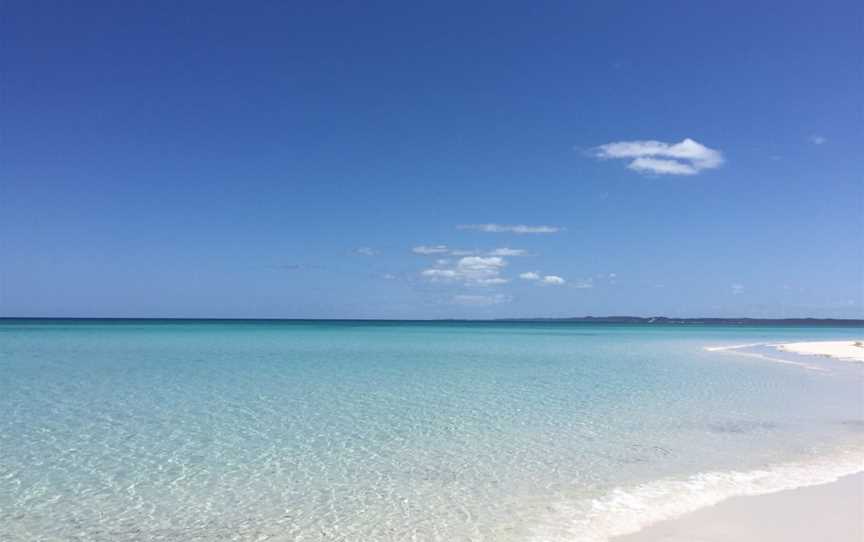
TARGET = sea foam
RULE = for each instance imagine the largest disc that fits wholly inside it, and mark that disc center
(627, 510)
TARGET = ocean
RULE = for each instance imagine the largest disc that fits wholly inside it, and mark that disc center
(363, 431)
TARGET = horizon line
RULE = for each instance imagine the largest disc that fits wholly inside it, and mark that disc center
(601, 319)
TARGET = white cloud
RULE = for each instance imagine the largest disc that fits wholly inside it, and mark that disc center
(818, 139)
(507, 252)
(737, 289)
(661, 166)
(480, 269)
(440, 273)
(553, 279)
(583, 283)
(493, 281)
(428, 250)
(687, 157)
(503, 228)
(436, 249)
(480, 261)
(481, 300)
(366, 251)
(534, 276)
(472, 270)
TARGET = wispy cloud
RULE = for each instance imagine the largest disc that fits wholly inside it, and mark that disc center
(481, 300)
(463, 252)
(687, 157)
(506, 228)
(737, 289)
(471, 270)
(534, 276)
(553, 279)
(818, 139)
(366, 251)
(492, 281)
(427, 250)
(480, 270)
(436, 274)
(507, 252)
(436, 249)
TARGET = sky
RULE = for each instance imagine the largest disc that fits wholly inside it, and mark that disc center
(431, 160)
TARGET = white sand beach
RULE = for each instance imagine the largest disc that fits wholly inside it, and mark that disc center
(845, 350)
(828, 513)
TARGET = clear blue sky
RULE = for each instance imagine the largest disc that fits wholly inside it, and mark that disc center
(290, 159)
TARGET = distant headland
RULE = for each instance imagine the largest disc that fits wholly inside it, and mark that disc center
(646, 320)
(704, 321)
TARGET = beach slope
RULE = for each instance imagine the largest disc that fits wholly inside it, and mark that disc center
(828, 513)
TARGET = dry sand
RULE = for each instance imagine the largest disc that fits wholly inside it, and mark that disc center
(845, 350)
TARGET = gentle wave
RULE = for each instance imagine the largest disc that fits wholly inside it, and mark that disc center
(628, 510)
(732, 347)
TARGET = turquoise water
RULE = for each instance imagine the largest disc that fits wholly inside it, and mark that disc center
(315, 431)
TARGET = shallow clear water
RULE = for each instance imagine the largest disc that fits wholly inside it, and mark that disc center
(404, 431)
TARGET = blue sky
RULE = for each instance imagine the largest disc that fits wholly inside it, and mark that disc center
(290, 159)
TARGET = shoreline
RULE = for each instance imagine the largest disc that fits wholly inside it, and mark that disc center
(830, 512)
(657, 508)
(849, 351)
